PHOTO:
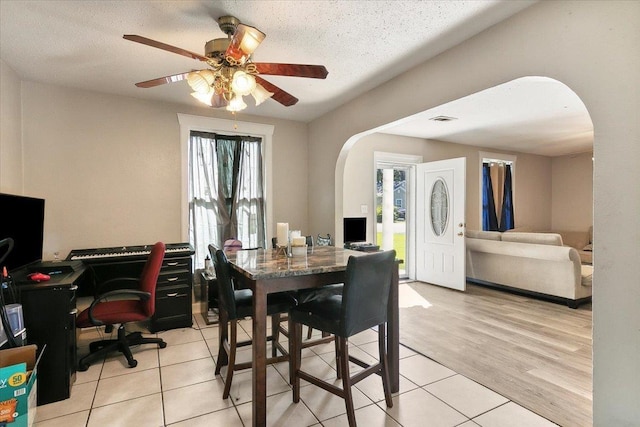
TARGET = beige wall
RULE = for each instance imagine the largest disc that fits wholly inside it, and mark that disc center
(572, 192)
(592, 47)
(10, 126)
(533, 184)
(109, 167)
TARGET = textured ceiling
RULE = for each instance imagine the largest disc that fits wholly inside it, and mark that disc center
(79, 44)
(362, 43)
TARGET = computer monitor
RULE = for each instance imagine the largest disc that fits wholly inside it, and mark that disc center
(22, 219)
(355, 230)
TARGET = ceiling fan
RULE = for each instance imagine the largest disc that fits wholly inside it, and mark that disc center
(232, 74)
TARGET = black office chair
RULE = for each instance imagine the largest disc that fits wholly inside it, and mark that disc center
(121, 307)
(238, 304)
(362, 305)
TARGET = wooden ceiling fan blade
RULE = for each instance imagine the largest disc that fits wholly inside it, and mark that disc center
(293, 70)
(163, 80)
(164, 46)
(279, 95)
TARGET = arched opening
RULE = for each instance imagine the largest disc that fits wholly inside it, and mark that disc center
(537, 121)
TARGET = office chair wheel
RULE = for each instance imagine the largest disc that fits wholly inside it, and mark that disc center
(162, 344)
(133, 363)
(82, 367)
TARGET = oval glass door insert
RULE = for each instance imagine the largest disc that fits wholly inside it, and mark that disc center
(439, 207)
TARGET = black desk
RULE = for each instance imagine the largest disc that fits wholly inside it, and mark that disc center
(49, 310)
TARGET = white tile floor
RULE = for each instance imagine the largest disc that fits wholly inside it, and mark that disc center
(176, 386)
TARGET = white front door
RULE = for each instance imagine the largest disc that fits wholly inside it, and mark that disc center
(440, 202)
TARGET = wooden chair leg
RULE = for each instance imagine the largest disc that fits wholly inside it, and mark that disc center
(384, 362)
(291, 347)
(296, 354)
(346, 381)
(337, 357)
(275, 332)
(223, 330)
(232, 358)
(309, 332)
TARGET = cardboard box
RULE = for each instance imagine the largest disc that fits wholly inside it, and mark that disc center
(18, 386)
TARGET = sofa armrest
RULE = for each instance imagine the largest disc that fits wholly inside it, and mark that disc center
(524, 250)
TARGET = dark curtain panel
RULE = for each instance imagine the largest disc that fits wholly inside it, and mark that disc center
(506, 216)
(225, 191)
(489, 217)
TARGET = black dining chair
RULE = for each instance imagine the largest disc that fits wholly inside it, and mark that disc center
(304, 295)
(235, 305)
(361, 305)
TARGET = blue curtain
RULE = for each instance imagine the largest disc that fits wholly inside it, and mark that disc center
(506, 216)
(489, 217)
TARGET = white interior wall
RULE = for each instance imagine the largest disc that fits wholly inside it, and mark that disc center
(572, 194)
(10, 127)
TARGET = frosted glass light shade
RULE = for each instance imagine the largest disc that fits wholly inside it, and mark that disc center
(243, 83)
(260, 94)
(236, 104)
(198, 82)
(205, 98)
(244, 42)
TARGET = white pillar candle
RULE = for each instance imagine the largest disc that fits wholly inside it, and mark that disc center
(282, 234)
(298, 241)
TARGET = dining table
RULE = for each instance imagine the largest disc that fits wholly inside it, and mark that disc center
(266, 271)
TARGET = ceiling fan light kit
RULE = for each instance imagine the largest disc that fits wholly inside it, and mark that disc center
(232, 73)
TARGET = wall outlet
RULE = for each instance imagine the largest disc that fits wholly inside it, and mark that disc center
(364, 209)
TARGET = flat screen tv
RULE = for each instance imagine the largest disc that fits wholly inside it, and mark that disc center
(355, 230)
(22, 219)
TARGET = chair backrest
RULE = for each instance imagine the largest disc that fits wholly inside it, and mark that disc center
(274, 242)
(366, 291)
(149, 276)
(226, 295)
(309, 240)
(323, 240)
(212, 250)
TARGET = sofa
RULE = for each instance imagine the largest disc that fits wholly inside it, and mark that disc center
(582, 241)
(536, 264)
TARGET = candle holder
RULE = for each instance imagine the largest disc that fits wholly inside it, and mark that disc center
(284, 249)
(299, 250)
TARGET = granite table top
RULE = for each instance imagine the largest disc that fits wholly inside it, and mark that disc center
(258, 264)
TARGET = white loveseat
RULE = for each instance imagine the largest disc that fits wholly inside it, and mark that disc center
(531, 263)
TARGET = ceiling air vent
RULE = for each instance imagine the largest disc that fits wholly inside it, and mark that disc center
(443, 118)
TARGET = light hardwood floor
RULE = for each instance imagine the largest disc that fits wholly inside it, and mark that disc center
(536, 353)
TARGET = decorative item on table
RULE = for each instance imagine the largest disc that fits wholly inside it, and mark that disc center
(298, 245)
(232, 244)
(282, 236)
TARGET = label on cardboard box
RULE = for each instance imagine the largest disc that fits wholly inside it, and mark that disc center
(18, 386)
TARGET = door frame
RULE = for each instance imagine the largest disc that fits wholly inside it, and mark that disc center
(409, 161)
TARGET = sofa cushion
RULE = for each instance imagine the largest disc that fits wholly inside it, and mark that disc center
(538, 238)
(486, 235)
(587, 275)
